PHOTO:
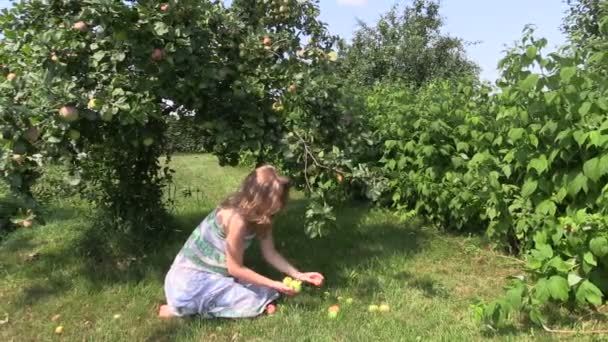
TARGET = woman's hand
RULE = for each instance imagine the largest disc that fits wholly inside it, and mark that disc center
(284, 289)
(312, 278)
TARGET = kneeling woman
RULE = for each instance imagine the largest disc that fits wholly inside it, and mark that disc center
(208, 277)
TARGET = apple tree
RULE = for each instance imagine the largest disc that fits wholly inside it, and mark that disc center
(90, 84)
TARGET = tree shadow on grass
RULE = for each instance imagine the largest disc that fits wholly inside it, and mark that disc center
(355, 243)
(352, 244)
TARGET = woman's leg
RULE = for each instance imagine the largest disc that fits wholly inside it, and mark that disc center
(240, 300)
(191, 292)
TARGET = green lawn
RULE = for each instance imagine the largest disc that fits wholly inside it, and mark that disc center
(429, 279)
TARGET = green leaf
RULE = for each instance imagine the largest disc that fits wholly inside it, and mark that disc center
(546, 207)
(531, 51)
(590, 259)
(584, 109)
(529, 187)
(539, 164)
(550, 96)
(580, 137)
(603, 165)
(558, 288)
(536, 316)
(574, 279)
(541, 290)
(567, 73)
(599, 246)
(516, 133)
(592, 170)
(578, 183)
(529, 83)
(161, 28)
(559, 265)
(542, 252)
(589, 293)
(99, 55)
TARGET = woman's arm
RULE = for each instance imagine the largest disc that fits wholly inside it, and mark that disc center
(235, 250)
(275, 259)
(278, 261)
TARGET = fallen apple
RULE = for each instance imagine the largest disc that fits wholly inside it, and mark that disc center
(11, 76)
(372, 308)
(59, 330)
(68, 113)
(384, 308)
(349, 300)
(332, 311)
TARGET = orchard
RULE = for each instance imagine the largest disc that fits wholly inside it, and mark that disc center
(109, 90)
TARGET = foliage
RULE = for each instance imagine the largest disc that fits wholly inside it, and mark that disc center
(582, 21)
(185, 136)
(406, 45)
(517, 164)
(87, 83)
(556, 131)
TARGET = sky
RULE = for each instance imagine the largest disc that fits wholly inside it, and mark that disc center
(493, 24)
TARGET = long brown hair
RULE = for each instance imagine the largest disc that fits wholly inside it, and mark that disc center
(261, 195)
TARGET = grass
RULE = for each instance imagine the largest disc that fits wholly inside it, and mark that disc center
(429, 279)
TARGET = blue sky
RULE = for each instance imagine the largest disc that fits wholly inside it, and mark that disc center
(494, 23)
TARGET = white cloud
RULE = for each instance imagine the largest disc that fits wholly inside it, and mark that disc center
(353, 2)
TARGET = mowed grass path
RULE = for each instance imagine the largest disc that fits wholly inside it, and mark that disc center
(428, 279)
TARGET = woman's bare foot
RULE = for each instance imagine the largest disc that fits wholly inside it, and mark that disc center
(165, 311)
(271, 309)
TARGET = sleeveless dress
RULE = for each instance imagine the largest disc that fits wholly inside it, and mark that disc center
(198, 281)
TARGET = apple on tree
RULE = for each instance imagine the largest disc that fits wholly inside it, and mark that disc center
(80, 26)
(158, 54)
(18, 158)
(68, 113)
(11, 76)
(32, 134)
